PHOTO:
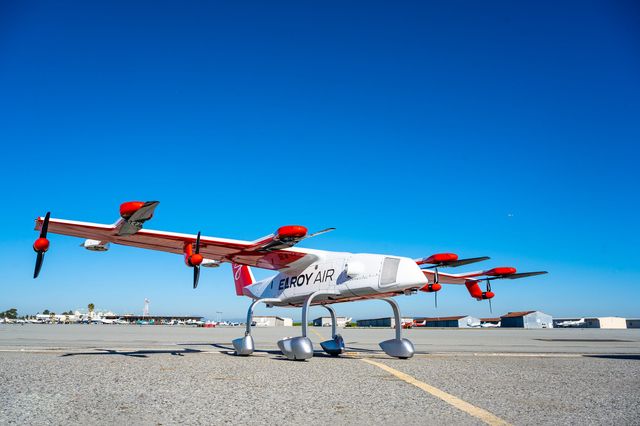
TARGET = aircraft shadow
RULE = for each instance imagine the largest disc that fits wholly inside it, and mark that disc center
(615, 356)
(230, 351)
(136, 354)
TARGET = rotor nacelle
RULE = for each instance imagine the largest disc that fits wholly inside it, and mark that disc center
(129, 208)
(486, 295)
(41, 245)
(500, 271)
(431, 288)
(290, 233)
(476, 292)
(438, 259)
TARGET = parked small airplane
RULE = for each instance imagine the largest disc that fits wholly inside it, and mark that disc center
(305, 277)
(571, 323)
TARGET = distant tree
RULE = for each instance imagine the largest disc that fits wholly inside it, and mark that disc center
(91, 307)
(11, 313)
(46, 312)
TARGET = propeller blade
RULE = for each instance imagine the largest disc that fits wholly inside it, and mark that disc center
(488, 290)
(436, 299)
(324, 231)
(196, 268)
(468, 261)
(524, 274)
(45, 225)
(196, 276)
(39, 260)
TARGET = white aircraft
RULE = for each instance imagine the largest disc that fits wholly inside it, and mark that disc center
(571, 323)
(100, 320)
(304, 277)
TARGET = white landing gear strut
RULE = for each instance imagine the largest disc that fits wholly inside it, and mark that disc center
(301, 348)
(398, 347)
(244, 345)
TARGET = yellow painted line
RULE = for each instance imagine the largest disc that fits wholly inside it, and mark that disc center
(317, 334)
(456, 402)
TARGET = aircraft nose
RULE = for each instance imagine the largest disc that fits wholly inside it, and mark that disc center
(410, 274)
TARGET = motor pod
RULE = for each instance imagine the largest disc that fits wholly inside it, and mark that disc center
(290, 233)
(41, 245)
(194, 259)
(476, 292)
(431, 288)
(503, 270)
(129, 208)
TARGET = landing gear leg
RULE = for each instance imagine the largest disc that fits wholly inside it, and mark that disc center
(244, 345)
(398, 347)
(300, 348)
(335, 346)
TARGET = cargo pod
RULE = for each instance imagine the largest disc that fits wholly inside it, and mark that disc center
(361, 273)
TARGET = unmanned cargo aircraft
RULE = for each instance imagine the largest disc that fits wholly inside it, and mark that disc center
(305, 277)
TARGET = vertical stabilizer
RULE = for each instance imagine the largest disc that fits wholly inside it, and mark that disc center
(242, 276)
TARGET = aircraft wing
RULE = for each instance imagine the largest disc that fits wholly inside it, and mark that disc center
(444, 278)
(224, 250)
(492, 274)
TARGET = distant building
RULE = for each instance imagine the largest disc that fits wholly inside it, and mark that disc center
(381, 322)
(526, 319)
(605, 322)
(633, 322)
(154, 319)
(272, 321)
(460, 321)
(326, 321)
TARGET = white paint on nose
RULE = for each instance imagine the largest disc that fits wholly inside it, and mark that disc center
(409, 274)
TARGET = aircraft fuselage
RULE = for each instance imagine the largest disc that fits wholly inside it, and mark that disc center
(346, 276)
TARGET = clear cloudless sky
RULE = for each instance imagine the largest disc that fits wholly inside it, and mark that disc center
(506, 129)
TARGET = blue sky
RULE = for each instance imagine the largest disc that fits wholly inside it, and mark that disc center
(507, 129)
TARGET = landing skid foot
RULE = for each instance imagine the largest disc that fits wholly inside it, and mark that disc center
(244, 345)
(333, 347)
(296, 348)
(398, 348)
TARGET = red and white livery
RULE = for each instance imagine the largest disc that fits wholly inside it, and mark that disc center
(304, 277)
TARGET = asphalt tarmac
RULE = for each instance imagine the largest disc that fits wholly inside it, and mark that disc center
(106, 374)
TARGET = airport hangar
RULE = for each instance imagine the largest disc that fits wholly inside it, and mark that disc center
(459, 321)
(272, 321)
(326, 322)
(526, 319)
(382, 322)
